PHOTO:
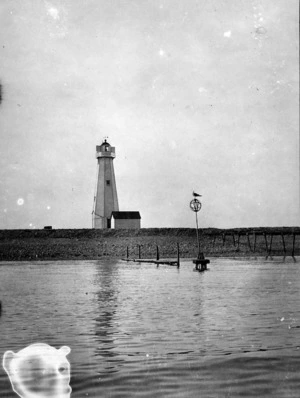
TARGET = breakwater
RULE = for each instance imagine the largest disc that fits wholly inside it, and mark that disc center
(67, 244)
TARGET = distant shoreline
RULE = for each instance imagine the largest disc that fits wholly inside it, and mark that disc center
(92, 244)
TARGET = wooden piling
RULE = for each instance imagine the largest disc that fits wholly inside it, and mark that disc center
(270, 248)
(254, 245)
(224, 238)
(178, 255)
(249, 244)
(283, 243)
(214, 241)
(127, 251)
(293, 250)
(157, 253)
(266, 242)
(233, 239)
(105, 253)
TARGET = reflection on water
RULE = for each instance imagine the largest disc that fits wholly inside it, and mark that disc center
(106, 279)
(138, 330)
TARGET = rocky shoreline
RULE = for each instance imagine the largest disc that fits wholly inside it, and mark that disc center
(91, 244)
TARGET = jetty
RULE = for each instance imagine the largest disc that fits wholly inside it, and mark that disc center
(166, 261)
(158, 261)
(200, 262)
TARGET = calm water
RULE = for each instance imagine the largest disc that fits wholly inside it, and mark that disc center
(142, 331)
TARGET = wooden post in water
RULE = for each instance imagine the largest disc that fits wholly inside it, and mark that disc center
(249, 244)
(105, 249)
(266, 241)
(254, 246)
(157, 253)
(214, 241)
(127, 252)
(178, 255)
(270, 248)
(224, 238)
(233, 239)
(283, 244)
(293, 250)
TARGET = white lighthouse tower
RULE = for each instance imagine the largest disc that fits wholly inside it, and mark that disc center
(106, 199)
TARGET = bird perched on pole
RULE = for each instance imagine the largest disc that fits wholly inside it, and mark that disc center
(195, 194)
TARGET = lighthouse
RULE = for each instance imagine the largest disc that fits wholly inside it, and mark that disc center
(106, 199)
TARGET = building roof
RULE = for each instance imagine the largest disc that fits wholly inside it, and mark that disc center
(126, 215)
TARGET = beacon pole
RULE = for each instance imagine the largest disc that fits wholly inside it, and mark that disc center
(195, 205)
(197, 229)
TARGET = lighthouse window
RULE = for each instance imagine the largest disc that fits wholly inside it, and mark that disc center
(107, 182)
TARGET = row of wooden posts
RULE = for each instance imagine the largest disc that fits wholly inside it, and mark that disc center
(236, 243)
(255, 234)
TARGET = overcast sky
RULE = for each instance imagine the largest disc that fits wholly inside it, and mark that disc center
(194, 94)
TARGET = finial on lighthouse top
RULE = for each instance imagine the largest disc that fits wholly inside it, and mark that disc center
(105, 141)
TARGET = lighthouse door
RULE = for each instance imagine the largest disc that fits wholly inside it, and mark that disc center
(109, 223)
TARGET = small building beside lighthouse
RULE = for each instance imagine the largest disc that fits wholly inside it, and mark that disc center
(106, 212)
(126, 219)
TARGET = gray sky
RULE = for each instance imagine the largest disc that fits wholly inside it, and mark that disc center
(194, 94)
